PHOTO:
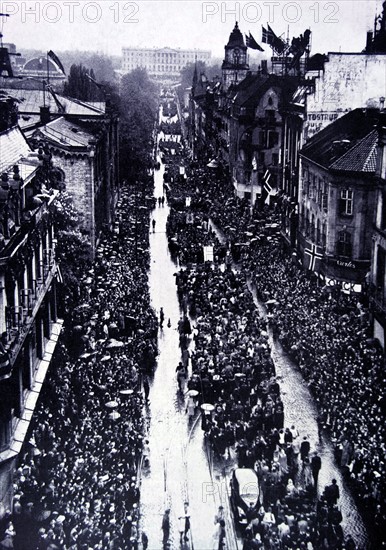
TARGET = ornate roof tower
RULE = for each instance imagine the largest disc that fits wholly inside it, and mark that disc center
(234, 67)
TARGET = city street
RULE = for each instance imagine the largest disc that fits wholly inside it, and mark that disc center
(178, 469)
(181, 464)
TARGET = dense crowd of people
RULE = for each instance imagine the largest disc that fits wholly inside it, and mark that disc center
(77, 487)
(232, 369)
(326, 332)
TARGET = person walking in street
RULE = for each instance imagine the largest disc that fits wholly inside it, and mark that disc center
(153, 224)
(161, 317)
(181, 375)
(220, 515)
(304, 449)
(332, 493)
(166, 527)
(184, 523)
(146, 388)
(191, 407)
(145, 540)
(316, 464)
(219, 535)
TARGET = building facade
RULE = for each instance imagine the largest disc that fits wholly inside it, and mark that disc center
(337, 198)
(256, 134)
(348, 81)
(87, 156)
(84, 141)
(377, 279)
(29, 325)
(161, 63)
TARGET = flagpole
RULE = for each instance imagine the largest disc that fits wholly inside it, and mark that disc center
(48, 72)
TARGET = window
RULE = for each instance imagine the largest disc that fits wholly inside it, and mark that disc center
(344, 246)
(312, 191)
(325, 202)
(312, 228)
(307, 228)
(273, 139)
(383, 215)
(5, 433)
(346, 202)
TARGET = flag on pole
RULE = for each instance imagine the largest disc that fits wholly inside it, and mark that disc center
(269, 37)
(56, 60)
(266, 185)
(251, 43)
(314, 257)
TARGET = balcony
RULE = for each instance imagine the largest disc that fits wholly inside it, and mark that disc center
(20, 318)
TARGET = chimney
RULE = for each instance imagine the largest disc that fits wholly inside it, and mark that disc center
(369, 42)
(45, 116)
(264, 66)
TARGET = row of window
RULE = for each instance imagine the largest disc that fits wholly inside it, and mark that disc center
(320, 196)
(317, 233)
(158, 68)
(168, 56)
(343, 244)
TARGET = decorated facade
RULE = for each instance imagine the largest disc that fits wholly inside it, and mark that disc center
(29, 324)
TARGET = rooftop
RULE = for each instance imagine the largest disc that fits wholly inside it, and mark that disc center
(64, 133)
(13, 147)
(348, 144)
(360, 158)
(236, 38)
(30, 102)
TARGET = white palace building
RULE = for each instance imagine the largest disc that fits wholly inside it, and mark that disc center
(161, 63)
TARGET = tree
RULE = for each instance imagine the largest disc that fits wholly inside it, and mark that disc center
(79, 86)
(138, 113)
(73, 250)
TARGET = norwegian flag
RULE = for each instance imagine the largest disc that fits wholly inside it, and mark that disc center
(314, 257)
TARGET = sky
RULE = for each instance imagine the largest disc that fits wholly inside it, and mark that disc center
(106, 26)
